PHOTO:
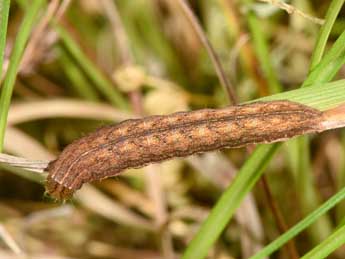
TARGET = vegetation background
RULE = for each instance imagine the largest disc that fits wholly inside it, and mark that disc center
(72, 66)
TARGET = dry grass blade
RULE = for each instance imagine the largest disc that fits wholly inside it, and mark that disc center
(229, 89)
(290, 9)
(21, 144)
(37, 166)
(8, 255)
(129, 196)
(105, 207)
(68, 108)
(62, 9)
(102, 250)
(36, 37)
(119, 33)
(96, 201)
(221, 172)
(9, 241)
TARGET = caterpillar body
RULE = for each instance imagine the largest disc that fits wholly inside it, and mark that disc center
(137, 142)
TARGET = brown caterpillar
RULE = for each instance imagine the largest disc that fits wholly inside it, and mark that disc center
(138, 142)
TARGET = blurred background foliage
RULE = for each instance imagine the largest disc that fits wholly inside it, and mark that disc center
(109, 60)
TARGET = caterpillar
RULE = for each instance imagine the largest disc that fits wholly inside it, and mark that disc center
(135, 143)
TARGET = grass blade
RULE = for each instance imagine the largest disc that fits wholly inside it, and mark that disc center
(219, 216)
(262, 52)
(4, 10)
(302, 225)
(333, 242)
(332, 13)
(100, 81)
(321, 96)
(17, 52)
(329, 65)
(79, 82)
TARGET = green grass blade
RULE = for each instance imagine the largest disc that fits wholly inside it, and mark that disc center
(329, 65)
(17, 52)
(322, 96)
(332, 13)
(302, 225)
(80, 84)
(101, 82)
(222, 211)
(4, 10)
(333, 242)
(309, 199)
(262, 52)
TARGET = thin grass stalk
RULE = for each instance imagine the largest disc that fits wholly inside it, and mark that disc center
(4, 11)
(17, 52)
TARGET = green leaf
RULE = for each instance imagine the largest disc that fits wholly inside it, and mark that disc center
(17, 52)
